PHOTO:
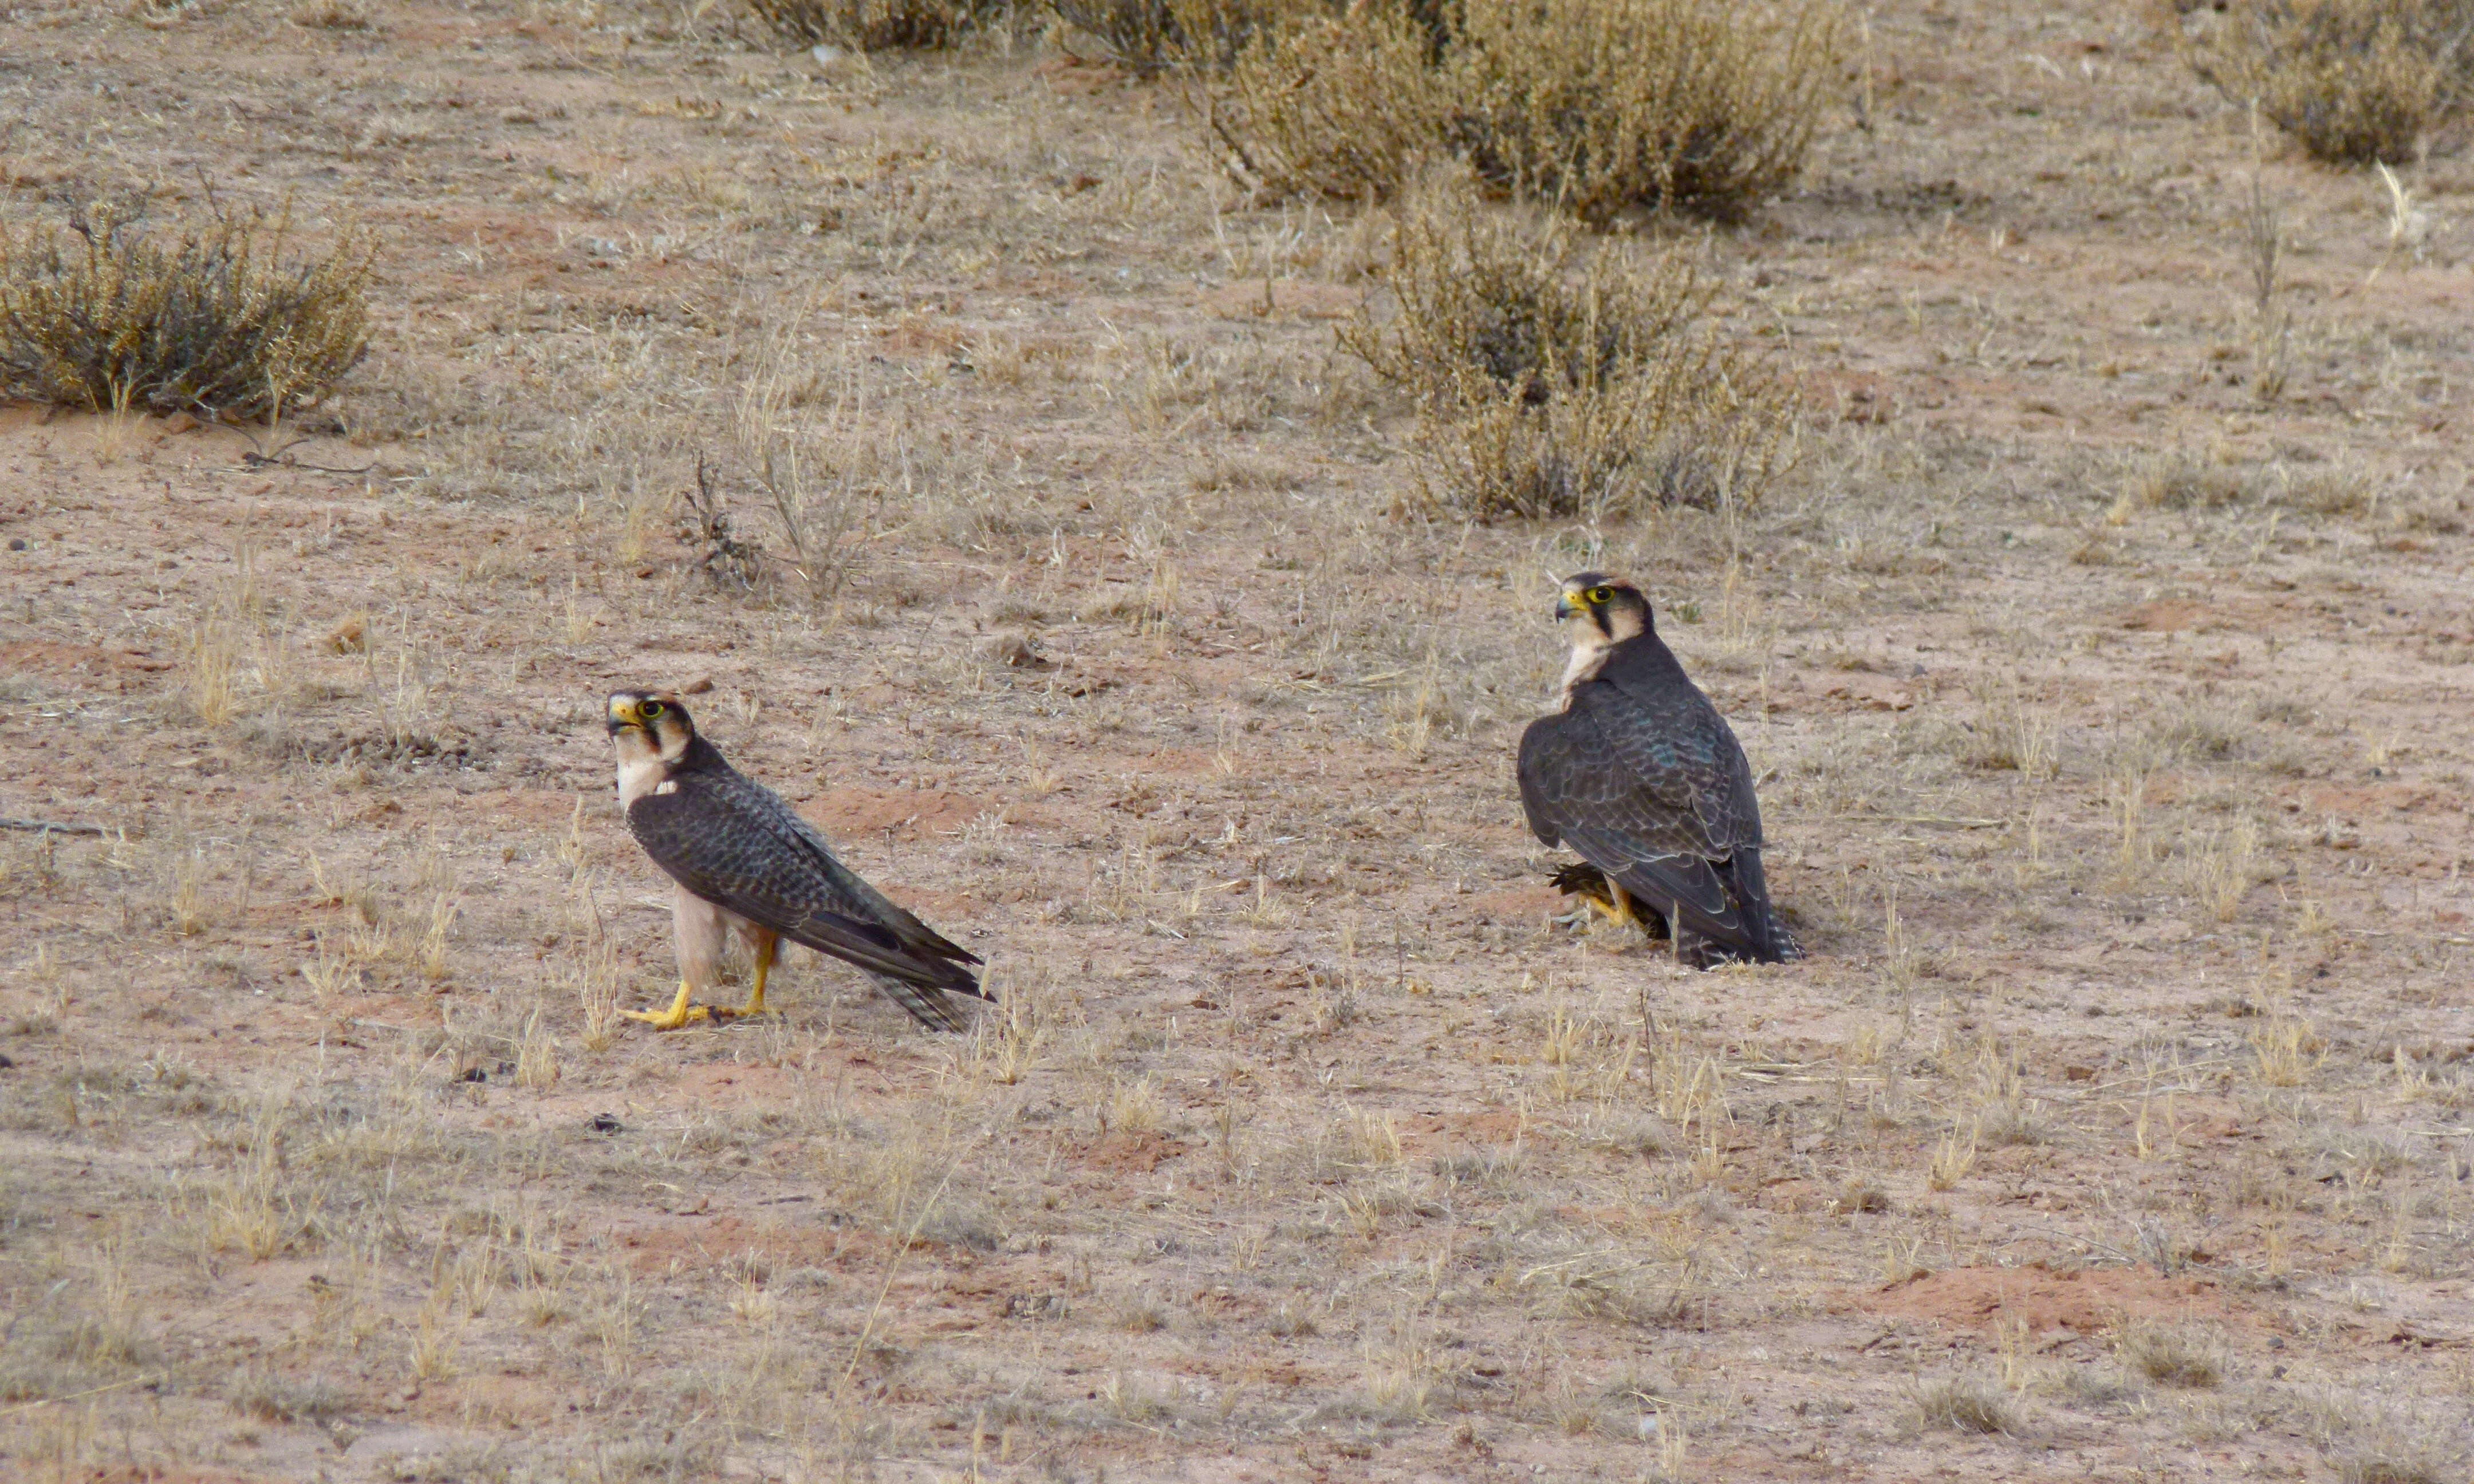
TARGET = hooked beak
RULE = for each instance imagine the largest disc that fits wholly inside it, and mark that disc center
(623, 714)
(1565, 608)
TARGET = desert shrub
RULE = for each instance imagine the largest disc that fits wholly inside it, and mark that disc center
(1343, 106)
(1601, 106)
(874, 25)
(1551, 382)
(1142, 34)
(1151, 36)
(2352, 80)
(1608, 106)
(215, 318)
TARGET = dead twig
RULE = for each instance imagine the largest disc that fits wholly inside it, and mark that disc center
(52, 828)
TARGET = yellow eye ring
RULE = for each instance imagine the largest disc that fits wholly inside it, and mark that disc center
(1602, 596)
(651, 709)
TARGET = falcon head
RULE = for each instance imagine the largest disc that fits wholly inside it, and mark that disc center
(1598, 611)
(650, 726)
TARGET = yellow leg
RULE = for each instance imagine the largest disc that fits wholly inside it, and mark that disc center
(680, 1012)
(1618, 910)
(755, 1005)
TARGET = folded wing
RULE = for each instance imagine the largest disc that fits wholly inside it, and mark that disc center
(729, 841)
(1664, 809)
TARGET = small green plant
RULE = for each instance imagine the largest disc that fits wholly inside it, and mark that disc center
(214, 319)
(2354, 81)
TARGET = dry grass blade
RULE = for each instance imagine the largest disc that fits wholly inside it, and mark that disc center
(218, 319)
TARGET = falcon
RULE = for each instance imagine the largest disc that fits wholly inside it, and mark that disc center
(747, 864)
(1640, 775)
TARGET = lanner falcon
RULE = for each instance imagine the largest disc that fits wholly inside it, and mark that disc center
(1640, 774)
(745, 862)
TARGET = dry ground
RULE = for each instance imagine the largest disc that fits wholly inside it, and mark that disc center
(2113, 725)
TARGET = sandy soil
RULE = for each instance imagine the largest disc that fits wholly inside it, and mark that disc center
(2111, 723)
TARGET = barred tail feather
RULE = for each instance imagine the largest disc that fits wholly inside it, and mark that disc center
(927, 1004)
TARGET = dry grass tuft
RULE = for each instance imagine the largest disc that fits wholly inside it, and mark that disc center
(1601, 107)
(216, 318)
(1554, 382)
(2169, 1357)
(1962, 1404)
(876, 25)
(2354, 81)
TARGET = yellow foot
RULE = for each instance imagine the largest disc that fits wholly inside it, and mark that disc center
(680, 1012)
(755, 1005)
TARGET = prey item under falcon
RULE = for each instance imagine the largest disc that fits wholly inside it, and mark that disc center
(745, 863)
(1640, 775)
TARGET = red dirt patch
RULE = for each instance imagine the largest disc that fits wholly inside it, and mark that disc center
(2086, 1300)
(2167, 616)
(1137, 1154)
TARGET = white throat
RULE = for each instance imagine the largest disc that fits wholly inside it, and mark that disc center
(1592, 645)
(642, 768)
(1590, 650)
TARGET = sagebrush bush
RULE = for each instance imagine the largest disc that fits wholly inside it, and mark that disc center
(1609, 106)
(1551, 382)
(2353, 82)
(213, 318)
(1151, 36)
(1603, 107)
(1344, 106)
(876, 25)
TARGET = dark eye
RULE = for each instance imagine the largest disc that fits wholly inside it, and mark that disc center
(1602, 596)
(651, 709)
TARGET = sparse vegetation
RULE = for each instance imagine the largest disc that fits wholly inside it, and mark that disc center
(2169, 1356)
(1553, 381)
(876, 25)
(1150, 36)
(1604, 106)
(1962, 1404)
(1599, 107)
(2353, 82)
(222, 320)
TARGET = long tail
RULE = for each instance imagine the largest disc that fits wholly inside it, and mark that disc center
(1767, 938)
(926, 1002)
